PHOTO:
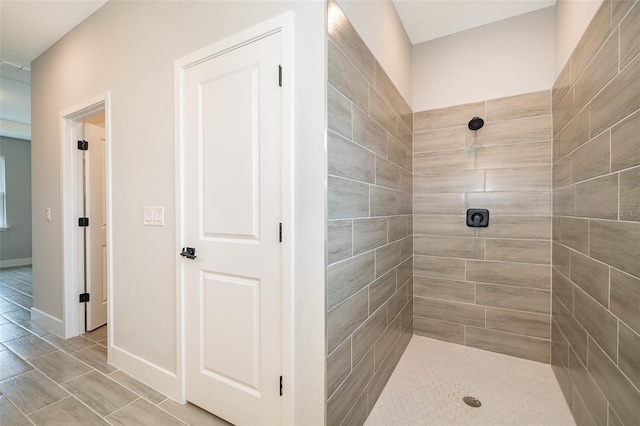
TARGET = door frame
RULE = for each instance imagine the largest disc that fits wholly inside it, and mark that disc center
(72, 241)
(284, 24)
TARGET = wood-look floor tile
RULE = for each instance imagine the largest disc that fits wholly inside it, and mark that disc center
(100, 393)
(95, 356)
(60, 366)
(31, 391)
(69, 411)
(142, 413)
(69, 345)
(29, 347)
(192, 414)
(10, 331)
(138, 387)
(10, 415)
(11, 365)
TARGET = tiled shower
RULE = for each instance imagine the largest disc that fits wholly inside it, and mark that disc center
(555, 278)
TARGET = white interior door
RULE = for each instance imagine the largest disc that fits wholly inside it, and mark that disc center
(232, 211)
(96, 211)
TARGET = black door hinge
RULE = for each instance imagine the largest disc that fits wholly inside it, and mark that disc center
(83, 145)
(280, 75)
(280, 233)
(84, 297)
(83, 221)
(280, 385)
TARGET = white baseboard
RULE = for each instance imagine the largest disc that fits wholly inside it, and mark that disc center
(15, 262)
(151, 375)
(45, 320)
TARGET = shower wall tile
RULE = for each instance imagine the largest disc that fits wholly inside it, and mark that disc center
(512, 203)
(461, 313)
(439, 267)
(520, 179)
(519, 106)
(591, 159)
(504, 269)
(574, 233)
(339, 112)
(518, 298)
(369, 228)
(623, 397)
(600, 70)
(587, 388)
(441, 330)
(458, 247)
(440, 139)
(531, 154)
(447, 117)
(571, 137)
(625, 298)
(346, 78)
(624, 148)
(518, 251)
(514, 274)
(339, 240)
(593, 38)
(510, 344)
(518, 322)
(462, 181)
(617, 100)
(561, 87)
(507, 132)
(441, 224)
(630, 195)
(591, 276)
(601, 325)
(597, 303)
(628, 354)
(438, 288)
(629, 37)
(522, 227)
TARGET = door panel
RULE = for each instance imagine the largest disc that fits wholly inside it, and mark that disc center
(232, 210)
(96, 192)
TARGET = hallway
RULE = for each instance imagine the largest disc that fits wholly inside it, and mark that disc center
(48, 380)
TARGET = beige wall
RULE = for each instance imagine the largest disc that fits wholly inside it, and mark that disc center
(596, 222)
(505, 58)
(571, 20)
(391, 46)
(129, 48)
(15, 243)
(369, 241)
(484, 287)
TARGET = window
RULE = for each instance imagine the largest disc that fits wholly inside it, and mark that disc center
(3, 198)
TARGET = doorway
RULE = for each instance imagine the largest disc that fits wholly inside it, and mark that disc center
(234, 204)
(86, 215)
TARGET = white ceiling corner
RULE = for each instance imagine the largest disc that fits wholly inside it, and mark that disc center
(426, 20)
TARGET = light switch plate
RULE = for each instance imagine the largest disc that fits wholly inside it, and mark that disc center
(153, 216)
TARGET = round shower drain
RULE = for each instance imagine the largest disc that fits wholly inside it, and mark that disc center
(471, 401)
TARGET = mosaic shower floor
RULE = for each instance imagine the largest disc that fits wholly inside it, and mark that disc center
(432, 377)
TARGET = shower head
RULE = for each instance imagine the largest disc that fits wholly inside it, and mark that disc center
(476, 123)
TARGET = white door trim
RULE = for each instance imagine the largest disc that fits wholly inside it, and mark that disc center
(72, 268)
(282, 23)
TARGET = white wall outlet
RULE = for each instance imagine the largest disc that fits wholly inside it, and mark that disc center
(48, 214)
(153, 216)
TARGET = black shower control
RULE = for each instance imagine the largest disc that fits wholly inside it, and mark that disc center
(478, 218)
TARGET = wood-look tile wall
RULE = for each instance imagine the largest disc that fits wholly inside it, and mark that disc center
(369, 229)
(595, 334)
(489, 288)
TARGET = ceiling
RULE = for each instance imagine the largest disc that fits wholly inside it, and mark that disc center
(426, 20)
(29, 27)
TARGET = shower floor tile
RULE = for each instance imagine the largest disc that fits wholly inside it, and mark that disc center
(432, 377)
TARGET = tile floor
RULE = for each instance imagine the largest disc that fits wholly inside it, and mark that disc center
(432, 377)
(46, 380)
